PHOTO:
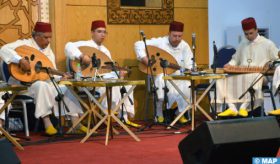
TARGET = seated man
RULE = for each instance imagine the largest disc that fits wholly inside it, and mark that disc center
(275, 86)
(98, 34)
(181, 51)
(43, 92)
(255, 50)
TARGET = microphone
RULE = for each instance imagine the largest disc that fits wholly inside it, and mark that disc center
(214, 66)
(193, 41)
(93, 59)
(142, 34)
(275, 62)
(109, 63)
(95, 62)
(39, 67)
(163, 63)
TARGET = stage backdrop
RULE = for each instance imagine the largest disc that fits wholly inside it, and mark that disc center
(19, 16)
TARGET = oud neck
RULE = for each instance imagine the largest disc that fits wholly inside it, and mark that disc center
(116, 67)
(174, 66)
(54, 72)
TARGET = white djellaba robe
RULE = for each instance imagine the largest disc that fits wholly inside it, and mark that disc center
(43, 92)
(259, 52)
(183, 55)
(72, 51)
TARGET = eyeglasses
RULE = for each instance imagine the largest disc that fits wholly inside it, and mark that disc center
(101, 31)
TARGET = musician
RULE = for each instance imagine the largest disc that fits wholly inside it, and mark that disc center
(98, 35)
(254, 50)
(276, 87)
(43, 92)
(181, 51)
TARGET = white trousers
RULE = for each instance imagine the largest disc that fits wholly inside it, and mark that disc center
(44, 94)
(173, 95)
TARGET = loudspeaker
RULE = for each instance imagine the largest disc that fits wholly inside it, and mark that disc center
(231, 141)
(7, 155)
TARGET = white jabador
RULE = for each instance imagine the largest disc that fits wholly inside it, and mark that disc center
(249, 53)
(72, 51)
(183, 55)
(43, 92)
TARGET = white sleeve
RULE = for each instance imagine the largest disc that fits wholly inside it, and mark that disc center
(8, 53)
(107, 52)
(139, 47)
(72, 51)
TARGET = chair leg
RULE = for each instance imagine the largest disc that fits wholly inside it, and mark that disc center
(25, 119)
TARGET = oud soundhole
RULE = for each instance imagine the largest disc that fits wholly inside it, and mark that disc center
(154, 69)
(158, 54)
(32, 57)
(26, 58)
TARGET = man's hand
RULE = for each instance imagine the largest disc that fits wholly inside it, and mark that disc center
(268, 65)
(66, 76)
(24, 65)
(123, 73)
(145, 61)
(226, 65)
(85, 60)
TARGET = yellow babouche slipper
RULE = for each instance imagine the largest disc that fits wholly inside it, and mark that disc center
(243, 112)
(132, 124)
(50, 130)
(160, 119)
(227, 113)
(183, 120)
(274, 112)
(83, 129)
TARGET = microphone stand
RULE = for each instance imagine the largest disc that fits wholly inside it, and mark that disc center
(95, 64)
(214, 66)
(277, 91)
(153, 89)
(251, 89)
(59, 99)
(164, 64)
(194, 69)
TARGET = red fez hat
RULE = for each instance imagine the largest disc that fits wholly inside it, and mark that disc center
(42, 27)
(176, 26)
(248, 23)
(97, 24)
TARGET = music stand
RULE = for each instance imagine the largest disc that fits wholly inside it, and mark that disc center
(153, 89)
